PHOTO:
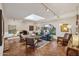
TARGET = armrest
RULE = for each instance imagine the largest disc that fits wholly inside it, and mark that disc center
(60, 38)
(35, 41)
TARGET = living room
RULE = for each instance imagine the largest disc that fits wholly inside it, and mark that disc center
(36, 18)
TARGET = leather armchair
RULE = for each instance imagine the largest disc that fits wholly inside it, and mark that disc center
(64, 40)
(31, 42)
(22, 35)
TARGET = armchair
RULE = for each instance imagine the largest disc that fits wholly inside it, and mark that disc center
(64, 40)
(23, 35)
(31, 41)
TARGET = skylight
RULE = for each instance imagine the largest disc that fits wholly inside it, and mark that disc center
(34, 17)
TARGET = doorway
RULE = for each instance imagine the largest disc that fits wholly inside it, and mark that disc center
(0, 27)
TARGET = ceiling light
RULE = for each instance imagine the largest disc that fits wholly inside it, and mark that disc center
(47, 10)
(34, 17)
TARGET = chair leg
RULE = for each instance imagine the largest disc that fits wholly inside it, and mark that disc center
(57, 41)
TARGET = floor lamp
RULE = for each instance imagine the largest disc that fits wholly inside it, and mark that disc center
(75, 37)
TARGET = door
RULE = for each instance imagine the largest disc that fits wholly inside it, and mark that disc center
(0, 27)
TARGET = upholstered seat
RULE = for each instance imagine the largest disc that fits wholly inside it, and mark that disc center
(64, 40)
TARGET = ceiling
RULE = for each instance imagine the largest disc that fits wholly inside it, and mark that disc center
(21, 10)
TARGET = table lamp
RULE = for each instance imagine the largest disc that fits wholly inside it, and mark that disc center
(75, 41)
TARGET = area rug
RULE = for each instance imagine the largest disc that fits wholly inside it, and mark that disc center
(42, 44)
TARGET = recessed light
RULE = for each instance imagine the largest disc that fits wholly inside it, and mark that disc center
(34, 17)
(47, 10)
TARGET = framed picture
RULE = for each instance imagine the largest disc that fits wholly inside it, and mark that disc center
(12, 29)
(31, 28)
(64, 28)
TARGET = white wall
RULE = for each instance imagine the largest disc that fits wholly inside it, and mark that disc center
(20, 24)
(70, 21)
(0, 6)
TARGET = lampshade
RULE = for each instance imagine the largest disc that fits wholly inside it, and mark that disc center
(69, 26)
(75, 41)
